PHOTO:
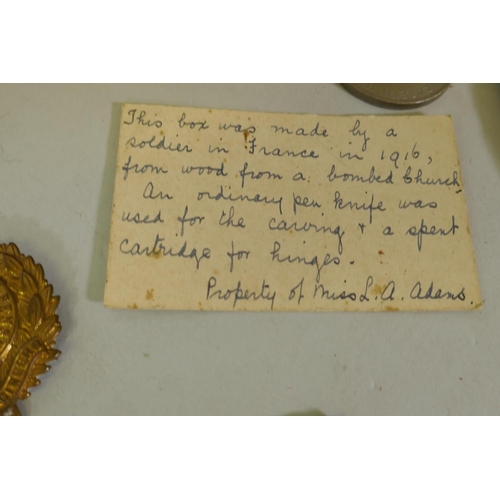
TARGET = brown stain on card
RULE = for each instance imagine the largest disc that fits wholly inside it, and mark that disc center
(150, 294)
(246, 133)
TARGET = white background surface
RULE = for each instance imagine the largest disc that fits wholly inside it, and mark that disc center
(57, 160)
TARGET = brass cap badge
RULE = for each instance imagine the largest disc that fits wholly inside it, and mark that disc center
(28, 326)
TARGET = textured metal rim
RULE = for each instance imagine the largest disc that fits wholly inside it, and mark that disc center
(369, 94)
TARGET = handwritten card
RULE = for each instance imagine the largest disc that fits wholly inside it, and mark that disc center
(234, 210)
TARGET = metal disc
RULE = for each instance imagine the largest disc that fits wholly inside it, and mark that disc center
(397, 94)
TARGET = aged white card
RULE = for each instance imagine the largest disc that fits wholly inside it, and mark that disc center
(234, 210)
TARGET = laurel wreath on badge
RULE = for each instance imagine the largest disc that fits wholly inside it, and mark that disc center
(28, 326)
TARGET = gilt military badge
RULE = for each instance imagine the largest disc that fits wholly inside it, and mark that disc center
(29, 326)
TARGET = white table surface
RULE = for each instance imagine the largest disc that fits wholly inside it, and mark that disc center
(57, 160)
